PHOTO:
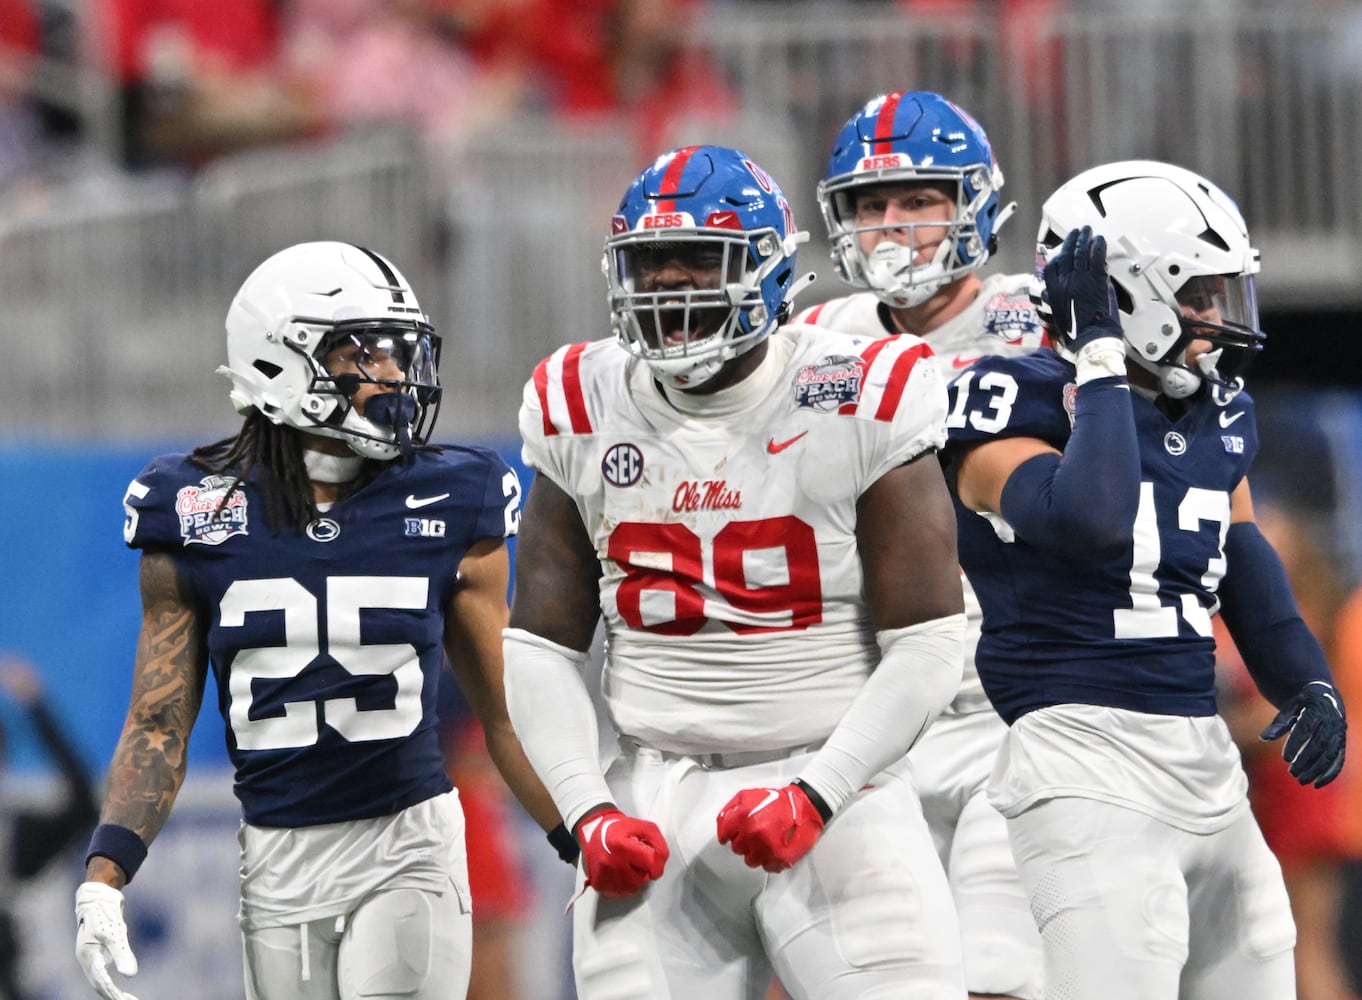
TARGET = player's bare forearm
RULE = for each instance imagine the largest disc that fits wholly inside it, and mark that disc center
(506, 752)
(149, 762)
(557, 570)
(476, 615)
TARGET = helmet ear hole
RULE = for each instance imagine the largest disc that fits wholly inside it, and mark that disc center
(1124, 301)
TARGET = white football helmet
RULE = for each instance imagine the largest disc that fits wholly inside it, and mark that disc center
(1176, 244)
(294, 309)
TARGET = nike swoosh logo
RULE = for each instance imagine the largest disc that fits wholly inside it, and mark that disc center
(416, 503)
(605, 829)
(776, 448)
(964, 362)
(1228, 418)
(771, 795)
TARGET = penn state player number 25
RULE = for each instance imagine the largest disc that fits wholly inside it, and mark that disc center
(345, 597)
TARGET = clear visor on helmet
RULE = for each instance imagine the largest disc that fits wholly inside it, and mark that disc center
(401, 358)
(1222, 309)
(398, 354)
(674, 291)
(1219, 300)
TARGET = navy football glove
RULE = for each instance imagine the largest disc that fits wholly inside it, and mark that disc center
(1319, 733)
(1081, 297)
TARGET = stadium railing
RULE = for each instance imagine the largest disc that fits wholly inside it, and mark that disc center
(119, 285)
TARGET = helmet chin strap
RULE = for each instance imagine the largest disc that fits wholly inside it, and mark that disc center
(395, 410)
(886, 267)
(1179, 382)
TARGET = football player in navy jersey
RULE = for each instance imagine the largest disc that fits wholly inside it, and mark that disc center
(322, 563)
(1105, 516)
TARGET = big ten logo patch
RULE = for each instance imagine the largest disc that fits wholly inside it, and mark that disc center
(424, 527)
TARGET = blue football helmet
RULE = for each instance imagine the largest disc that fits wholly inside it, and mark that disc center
(912, 137)
(700, 262)
(1180, 258)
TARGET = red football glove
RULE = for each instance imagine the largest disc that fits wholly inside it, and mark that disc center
(621, 853)
(771, 828)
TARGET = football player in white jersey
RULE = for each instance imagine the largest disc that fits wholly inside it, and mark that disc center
(763, 524)
(1109, 516)
(911, 202)
(323, 562)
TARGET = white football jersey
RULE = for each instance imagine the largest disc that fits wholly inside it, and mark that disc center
(726, 527)
(1000, 320)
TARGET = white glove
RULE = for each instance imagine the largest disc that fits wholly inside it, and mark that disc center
(102, 935)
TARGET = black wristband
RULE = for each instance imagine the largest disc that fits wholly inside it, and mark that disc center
(815, 799)
(564, 843)
(120, 845)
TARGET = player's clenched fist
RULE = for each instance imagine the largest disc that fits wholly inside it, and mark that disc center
(621, 853)
(771, 828)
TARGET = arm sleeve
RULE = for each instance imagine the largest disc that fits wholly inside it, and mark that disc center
(555, 721)
(918, 674)
(40, 836)
(1260, 611)
(1084, 501)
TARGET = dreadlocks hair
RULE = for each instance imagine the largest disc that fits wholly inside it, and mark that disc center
(276, 452)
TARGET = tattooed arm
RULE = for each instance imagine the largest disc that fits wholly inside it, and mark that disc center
(167, 688)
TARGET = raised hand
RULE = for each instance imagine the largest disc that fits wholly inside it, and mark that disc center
(1081, 296)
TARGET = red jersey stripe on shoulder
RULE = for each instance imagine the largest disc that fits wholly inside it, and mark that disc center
(868, 356)
(898, 379)
(570, 382)
(671, 178)
(884, 122)
(572, 389)
(541, 387)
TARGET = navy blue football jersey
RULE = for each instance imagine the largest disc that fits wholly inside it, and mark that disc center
(326, 645)
(1133, 632)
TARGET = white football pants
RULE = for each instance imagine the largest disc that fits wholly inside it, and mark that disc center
(952, 764)
(866, 915)
(1131, 908)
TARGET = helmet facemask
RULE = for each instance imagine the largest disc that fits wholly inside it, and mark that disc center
(892, 269)
(700, 262)
(397, 419)
(687, 302)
